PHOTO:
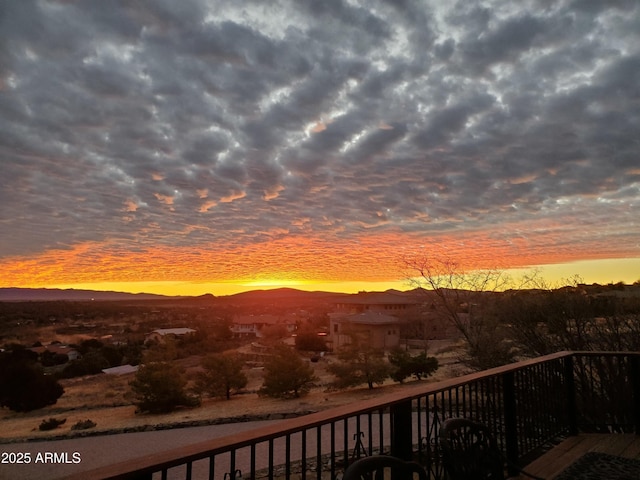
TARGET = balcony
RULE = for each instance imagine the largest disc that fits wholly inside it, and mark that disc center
(556, 405)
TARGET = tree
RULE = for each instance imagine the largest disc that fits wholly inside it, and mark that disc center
(160, 387)
(359, 363)
(548, 320)
(165, 351)
(222, 374)
(406, 365)
(462, 297)
(49, 359)
(286, 375)
(271, 334)
(92, 363)
(308, 340)
(221, 329)
(24, 386)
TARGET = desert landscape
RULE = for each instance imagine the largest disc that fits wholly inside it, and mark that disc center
(106, 400)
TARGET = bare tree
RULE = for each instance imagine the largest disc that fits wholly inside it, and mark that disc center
(461, 298)
(572, 317)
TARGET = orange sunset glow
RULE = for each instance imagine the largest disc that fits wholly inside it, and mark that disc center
(368, 263)
(215, 149)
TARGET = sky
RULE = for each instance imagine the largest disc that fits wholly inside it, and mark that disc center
(217, 146)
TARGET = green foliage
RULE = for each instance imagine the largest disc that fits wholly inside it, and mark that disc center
(286, 375)
(222, 375)
(310, 342)
(86, 346)
(160, 387)
(92, 363)
(17, 352)
(165, 351)
(359, 364)
(51, 424)
(131, 353)
(49, 359)
(96, 356)
(405, 365)
(273, 333)
(24, 386)
(221, 329)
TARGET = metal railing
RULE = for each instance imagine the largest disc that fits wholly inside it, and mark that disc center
(528, 406)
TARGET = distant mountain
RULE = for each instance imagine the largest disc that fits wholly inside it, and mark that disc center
(289, 296)
(280, 295)
(52, 294)
(258, 296)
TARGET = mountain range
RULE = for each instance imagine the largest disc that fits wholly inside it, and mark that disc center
(56, 294)
(273, 295)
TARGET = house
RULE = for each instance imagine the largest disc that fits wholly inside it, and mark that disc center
(57, 349)
(160, 334)
(379, 329)
(390, 302)
(252, 325)
(417, 309)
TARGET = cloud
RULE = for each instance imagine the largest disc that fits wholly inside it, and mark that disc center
(183, 125)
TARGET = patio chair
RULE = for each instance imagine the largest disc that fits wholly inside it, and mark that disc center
(469, 452)
(374, 468)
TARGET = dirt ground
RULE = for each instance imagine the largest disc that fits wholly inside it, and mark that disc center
(106, 400)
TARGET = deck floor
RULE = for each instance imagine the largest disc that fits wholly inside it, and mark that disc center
(564, 454)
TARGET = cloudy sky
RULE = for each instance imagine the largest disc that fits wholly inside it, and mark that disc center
(201, 143)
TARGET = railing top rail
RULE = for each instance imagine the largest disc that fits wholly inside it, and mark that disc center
(600, 353)
(201, 450)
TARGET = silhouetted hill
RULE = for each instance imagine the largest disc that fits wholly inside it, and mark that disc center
(52, 294)
(280, 295)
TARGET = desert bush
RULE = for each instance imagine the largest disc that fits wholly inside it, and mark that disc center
(406, 365)
(51, 424)
(83, 425)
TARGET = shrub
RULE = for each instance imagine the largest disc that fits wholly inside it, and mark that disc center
(83, 425)
(359, 363)
(51, 424)
(406, 365)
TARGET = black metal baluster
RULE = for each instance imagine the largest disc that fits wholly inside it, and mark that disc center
(212, 466)
(287, 456)
(333, 450)
(303, 448)
(271, 459)
(370, 431)
(232, 463)
(345, 441)
(253, 461)
(319, 453)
